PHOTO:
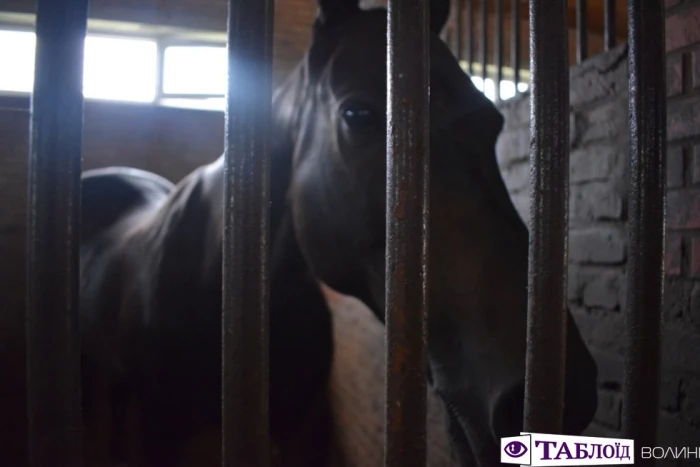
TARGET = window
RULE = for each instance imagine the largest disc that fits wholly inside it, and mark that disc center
(120, 69)
(192, 70)
(17, 61)
(195, 77)
(507, 87)
(114, 68)
(127, 69)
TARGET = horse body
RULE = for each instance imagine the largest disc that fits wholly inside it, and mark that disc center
(151, 319)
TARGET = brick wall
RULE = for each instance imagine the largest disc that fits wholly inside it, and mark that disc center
(598, 209)
(681, 400)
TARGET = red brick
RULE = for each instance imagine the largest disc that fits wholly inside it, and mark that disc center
(683, 209)
(674, 75)
(682, 29)
(673, 255)
(695, 257)
(683, 120)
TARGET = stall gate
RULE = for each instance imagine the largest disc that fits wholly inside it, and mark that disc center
(53, 354)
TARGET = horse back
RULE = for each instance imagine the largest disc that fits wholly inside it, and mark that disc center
(111, 193)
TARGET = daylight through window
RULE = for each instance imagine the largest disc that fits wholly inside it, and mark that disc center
(126, 69)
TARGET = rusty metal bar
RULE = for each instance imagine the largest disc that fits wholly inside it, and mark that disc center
(647, 199)
(470, 49)
(406, 232)
(610, 33)
(245, 365)
(549, 181)
(55, 164)
(499, 48)
(484, 41)
(515, 42)
(581, 30)
(459, 29)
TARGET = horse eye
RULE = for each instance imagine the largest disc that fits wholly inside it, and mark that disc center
(359, 116)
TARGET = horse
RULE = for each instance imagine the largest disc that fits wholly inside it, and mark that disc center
(151, 270)
(334, 109)
(150, 322)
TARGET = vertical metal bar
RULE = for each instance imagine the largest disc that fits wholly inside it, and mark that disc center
(459, 29)
(610, 33)
(499, 47)
(470, 20)
(515, 42)
(549, 181)
(55, 160)
(245, 366)
(484, 40)
(647, 199)
(160, 66)
(581, 30)
(408, 141)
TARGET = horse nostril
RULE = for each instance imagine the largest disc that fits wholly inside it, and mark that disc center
(507, 414)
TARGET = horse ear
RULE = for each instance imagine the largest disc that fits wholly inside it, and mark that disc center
(439, 12)
(323, 38)
(331, 10)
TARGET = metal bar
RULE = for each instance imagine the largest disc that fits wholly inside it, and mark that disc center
(53, 223)
(459, 29)
(484, 40)
(647, 200)
(160, 66)
(581, 30)
(470, 50)
(245, 317)
(610, 33)
(515, 42)
(549, 181)
(406, 232)
(499, 48)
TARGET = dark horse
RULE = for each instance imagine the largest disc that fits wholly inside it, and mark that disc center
(151, 261)
(151, 323)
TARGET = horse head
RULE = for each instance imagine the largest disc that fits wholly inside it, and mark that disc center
(333, 110)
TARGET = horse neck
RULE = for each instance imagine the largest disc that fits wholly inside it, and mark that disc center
(193, 216)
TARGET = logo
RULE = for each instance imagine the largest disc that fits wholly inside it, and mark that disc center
(540, 449)
(516, 450)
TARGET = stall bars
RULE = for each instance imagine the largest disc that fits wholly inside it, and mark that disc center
(494, 66)
(53, 357)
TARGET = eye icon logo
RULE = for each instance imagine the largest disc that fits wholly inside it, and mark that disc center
(515, 449)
